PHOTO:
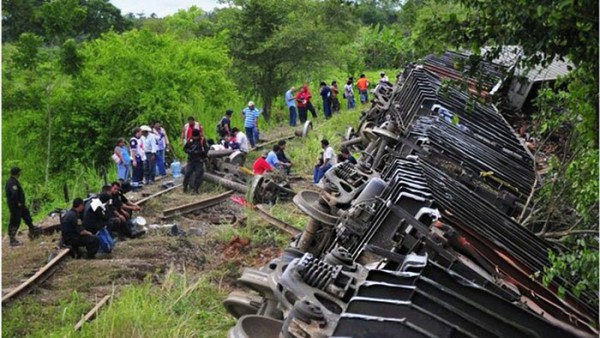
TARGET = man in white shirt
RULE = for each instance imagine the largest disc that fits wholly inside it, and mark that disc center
(150, 148)
(325, 163)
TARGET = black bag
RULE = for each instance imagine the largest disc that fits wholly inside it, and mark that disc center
(344, 95)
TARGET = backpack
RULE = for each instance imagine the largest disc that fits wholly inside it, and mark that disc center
(107, 243)
(220, 130)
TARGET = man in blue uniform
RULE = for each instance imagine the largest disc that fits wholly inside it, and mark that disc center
(74, 234)
(15, 196)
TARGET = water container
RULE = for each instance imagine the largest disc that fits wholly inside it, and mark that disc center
(176, 169)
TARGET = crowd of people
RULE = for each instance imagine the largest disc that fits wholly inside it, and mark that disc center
(143, 158)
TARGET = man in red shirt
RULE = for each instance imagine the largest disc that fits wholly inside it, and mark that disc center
(363, 88)
(188, 128)
(303, 98)
(261, 165)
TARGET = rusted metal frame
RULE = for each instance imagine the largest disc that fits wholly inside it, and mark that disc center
(264, 214)
(93, 312)
(187, 208)
(145, 199)
(39, 277)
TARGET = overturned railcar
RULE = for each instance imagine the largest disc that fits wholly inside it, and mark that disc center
(419, 239)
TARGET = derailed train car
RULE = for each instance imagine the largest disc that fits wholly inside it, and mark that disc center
(419, 239)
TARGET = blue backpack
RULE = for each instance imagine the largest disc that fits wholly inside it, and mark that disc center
(107, 243)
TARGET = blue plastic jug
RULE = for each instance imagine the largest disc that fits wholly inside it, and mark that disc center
(176, 169)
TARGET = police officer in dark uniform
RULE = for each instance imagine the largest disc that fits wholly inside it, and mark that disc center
(197, 150)
(95, 214)
(18, 210)
(74, 234)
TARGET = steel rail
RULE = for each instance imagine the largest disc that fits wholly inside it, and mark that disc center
(39, 277)
(187, 208)
(264, 214)
(145, 199)
(93, 312)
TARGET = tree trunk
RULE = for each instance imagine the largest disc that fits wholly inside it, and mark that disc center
(49, 110)
(267, 107)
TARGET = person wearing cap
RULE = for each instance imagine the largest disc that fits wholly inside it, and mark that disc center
(95, 213)
(188, 128)
(251, 114)
(73, 233)
(163, 145)
(197, 149)
(224, 126)
(15, 196)
(261, 165)
(327, 161)
(150, 148)
(290, 101)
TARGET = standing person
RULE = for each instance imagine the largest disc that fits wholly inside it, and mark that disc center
(163, 146)
(150, 148)
(303, 98)
(224, 126)
(251, 115)
(363, 88)
(124, 165)
(15, 196)
(328, 160)
(290, 101)
(73, 233)
(196, 149)
(188, 128)
(349, 95)
(138, 157)
(326, 95)
(335, 102)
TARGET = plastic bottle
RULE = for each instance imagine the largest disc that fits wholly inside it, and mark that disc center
(176, 168)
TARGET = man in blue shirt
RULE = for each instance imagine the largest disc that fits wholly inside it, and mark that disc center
(290, 101)
(273, 159)
(326, 95)
(251, 115)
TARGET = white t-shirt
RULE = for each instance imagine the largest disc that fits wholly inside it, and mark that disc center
(329, 154)
(141, 146)
(243, 141)
(348, 90)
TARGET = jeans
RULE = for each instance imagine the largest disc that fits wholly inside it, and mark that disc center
(364, 96)
(293, 114)
(327, 109)
(250, 135)
(160, 162)
(138, 170)
(335, 105)
(319, 172)
(123, 171)
(350, 102)
(150, 167)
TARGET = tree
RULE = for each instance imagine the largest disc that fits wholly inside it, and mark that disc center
(62, 19)
(271, 41)
(18, 17)
(70, 59)
(27, 51)
(101, 17)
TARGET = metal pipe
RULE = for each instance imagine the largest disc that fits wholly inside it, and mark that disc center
(226, 183)
(351, 142)
(308, 234)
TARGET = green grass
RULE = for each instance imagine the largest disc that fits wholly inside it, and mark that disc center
(180, 307)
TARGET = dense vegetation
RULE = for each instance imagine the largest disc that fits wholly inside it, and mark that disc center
(77, 75)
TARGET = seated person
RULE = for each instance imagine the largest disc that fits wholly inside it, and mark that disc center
(73, 233)
(95, 215)
(126, 205)
(346, 156)
(283, 158)
(274, 161)
(231, 142)
(261, 165)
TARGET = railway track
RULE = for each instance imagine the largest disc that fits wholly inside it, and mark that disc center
(187, 208)
(37, 279)
(284, 226)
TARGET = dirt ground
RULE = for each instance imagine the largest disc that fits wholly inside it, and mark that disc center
(200, 251)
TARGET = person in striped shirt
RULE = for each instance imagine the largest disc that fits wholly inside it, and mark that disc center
(251, 114)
